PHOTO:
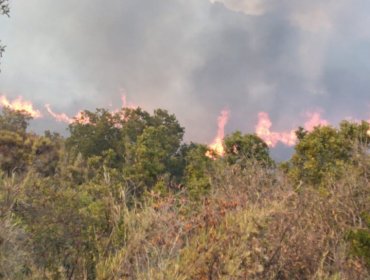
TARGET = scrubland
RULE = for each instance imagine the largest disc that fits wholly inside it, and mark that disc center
(130, 201)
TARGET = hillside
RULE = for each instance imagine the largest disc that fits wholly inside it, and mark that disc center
(123, 198)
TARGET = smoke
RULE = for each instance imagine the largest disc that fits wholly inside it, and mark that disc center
(192, 57)
(249, 7)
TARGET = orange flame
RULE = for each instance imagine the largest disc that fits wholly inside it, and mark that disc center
(19, 104)
(62, 117)
(217, 147)
(126, 104)
(263, 129)
(79, 117)
(58, 117)
(314, 120)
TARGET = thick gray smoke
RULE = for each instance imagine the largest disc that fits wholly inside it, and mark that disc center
(192, 57)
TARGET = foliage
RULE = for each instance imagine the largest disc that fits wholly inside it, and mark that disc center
(14, 121)
(244, 149)
(197, 170)
(4, 10)
(15, 146)
(155, 149)
(4, 7)
(94, 137)
(46, 152)
(360, 240)
(123, 198)
(143, 146)
(325, 153)
(251, 226)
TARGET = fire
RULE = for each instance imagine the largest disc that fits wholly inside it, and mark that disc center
(314, 120)
(263, 130)
(217, 147)
(19, 104)
(126, 104)
(271, 138)
(58, 117)
(62, 117)
(80, 118)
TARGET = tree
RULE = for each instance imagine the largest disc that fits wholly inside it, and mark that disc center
(155, 150)
(62, 224)
(4, 7)
(326, 152)
(132, 123)
(94, 136)
(243, 149)
(46, 152)
(357, 133)
(144, 146)
(197, 170)
(14, 152)
(15, 144)
(360, 240)
(4, 10)
(14, 120)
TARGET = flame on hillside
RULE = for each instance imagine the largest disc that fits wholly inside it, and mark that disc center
(19, 104)
(62, 117)
(80, 117)
(263, 130)
(314, 120)
(126, 104)
(289, 138)
(217, 147)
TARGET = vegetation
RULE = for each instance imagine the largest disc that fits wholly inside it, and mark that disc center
(4, 10)
(122, 197)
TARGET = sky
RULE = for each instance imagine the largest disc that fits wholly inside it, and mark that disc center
(194, 58)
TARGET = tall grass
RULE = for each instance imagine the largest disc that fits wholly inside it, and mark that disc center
(253, 224)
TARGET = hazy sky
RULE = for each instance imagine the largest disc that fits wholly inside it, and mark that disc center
(192, 57)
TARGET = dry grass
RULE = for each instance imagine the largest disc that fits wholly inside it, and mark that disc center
(253, 225)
